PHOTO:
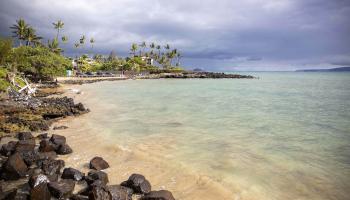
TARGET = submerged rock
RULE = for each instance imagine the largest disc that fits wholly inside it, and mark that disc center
(98, 163)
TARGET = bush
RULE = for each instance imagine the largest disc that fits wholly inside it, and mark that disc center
(38, 63)
(5, 49)
(4, 84)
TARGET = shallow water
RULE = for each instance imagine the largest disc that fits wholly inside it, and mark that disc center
(283, 136)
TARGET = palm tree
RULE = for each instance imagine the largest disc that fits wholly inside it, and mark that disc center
(158, 48)
(82, 40)
(64, 39)
(143, 46)
(31, 37)
(92, 41)
(58, 25)
(133, 49)
(53, 46)
(178, 59)
(167, 46)
(20, 30)
(76, 46)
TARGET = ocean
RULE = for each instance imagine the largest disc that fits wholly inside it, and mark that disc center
(285, 135)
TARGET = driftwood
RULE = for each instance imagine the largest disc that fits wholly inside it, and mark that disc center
(19, 93)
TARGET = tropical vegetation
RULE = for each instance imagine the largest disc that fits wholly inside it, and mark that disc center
(39, 61)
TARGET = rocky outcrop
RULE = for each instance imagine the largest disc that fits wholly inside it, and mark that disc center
(36, 115)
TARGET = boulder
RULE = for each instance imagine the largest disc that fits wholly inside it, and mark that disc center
(14, 168)
(52, 167)
(158, 195)
(64, 149)
(138, 183)
(47, 146)
(62, 189)
(25, 145)
(99, 193)
(119, 192)
(96, 175)
(58, 139)
(98, 163)
(24, 136)
(37, 179)
(29, 157)
(9, 148)
(40, 192)
(70, 173)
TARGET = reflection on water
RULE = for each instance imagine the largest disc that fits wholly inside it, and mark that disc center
(283, 136)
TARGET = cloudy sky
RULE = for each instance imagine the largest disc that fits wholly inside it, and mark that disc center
(220, 35)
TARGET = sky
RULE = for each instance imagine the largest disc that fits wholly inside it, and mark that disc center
(216, 35)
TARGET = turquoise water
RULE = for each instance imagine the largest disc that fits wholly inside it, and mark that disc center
(284, 135)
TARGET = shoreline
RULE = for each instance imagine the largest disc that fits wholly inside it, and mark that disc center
(183, 182)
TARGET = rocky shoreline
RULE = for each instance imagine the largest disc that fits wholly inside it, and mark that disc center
(183, 75)
(30, 164)
(34, 171)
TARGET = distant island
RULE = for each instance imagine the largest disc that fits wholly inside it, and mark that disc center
(338, 69)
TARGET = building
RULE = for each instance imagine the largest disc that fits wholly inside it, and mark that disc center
(148, 60)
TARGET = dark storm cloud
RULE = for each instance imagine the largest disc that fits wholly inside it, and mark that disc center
(217, 35)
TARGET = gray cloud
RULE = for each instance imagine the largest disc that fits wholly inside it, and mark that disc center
(216, 35)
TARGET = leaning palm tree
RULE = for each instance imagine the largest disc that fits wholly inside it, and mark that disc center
(133, 49)
(31, 37)
(58, 25)
(19, 30)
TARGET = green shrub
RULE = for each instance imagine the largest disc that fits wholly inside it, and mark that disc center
(39, 63)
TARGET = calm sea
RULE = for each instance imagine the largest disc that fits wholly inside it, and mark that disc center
(285, 135)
